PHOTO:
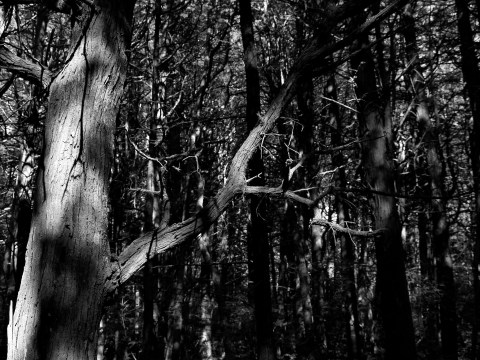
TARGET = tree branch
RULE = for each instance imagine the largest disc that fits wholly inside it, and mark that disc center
(24, 68)
(348, 231)
(279, 191)
(135, 256)
(62, 6)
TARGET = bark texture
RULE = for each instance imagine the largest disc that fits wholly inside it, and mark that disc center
(67, 266)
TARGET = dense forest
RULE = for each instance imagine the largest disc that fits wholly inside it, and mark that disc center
(240, 179)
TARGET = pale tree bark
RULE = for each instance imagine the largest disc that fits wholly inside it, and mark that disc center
(19, 226)
(67, 266)
(14, 261)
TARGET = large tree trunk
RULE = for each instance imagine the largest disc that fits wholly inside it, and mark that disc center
(258, 252)
(391, 282)
(471, 76)
(67, 264)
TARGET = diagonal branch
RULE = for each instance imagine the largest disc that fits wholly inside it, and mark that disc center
(24, 68)
(135, 256)
(348, 231)
(280, 192)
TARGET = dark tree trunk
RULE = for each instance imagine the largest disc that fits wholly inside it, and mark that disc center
(306, 140)
(286, 284)
(471, 76)
(258, 250)
(434, 169)
(347, 266)
(65, 278)
(153, 215)
(391, 283)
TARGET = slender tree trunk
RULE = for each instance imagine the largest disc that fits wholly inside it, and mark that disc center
(64, 283)
(257, 234)
(471, 76)
(286, 284)
(314, 336)
(173, 308)
(391, 282)
(174, 348)
(153, 213)
(101, 340)
(349, 289)
(4, 315)
(20, 224)
(305, 139)
(440, 232)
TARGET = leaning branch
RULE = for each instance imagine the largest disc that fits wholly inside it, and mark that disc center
(134, 257)
(348, 231)
(280, 192)
(24, 68)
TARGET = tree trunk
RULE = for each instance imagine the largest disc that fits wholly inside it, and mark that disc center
(64, 283)
(440, 231)
(153, 213)
(257, 241)
(391, 282)
(471, 76)
(349, 289)
(312, 338)
(174, 349)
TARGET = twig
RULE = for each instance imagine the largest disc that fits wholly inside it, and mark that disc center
(344, 230)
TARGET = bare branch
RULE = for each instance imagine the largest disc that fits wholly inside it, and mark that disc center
(348, 231)
(279, 191)
(24, 68)
(134, 257)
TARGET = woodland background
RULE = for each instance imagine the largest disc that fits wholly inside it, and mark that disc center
(291, 269)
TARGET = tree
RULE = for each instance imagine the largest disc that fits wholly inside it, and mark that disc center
(391, 283)
(471, 76)
(67, 266)
(68, 241)
(257, 239)
(430, 145)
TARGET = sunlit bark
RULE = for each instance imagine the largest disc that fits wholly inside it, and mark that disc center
(67, 266)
